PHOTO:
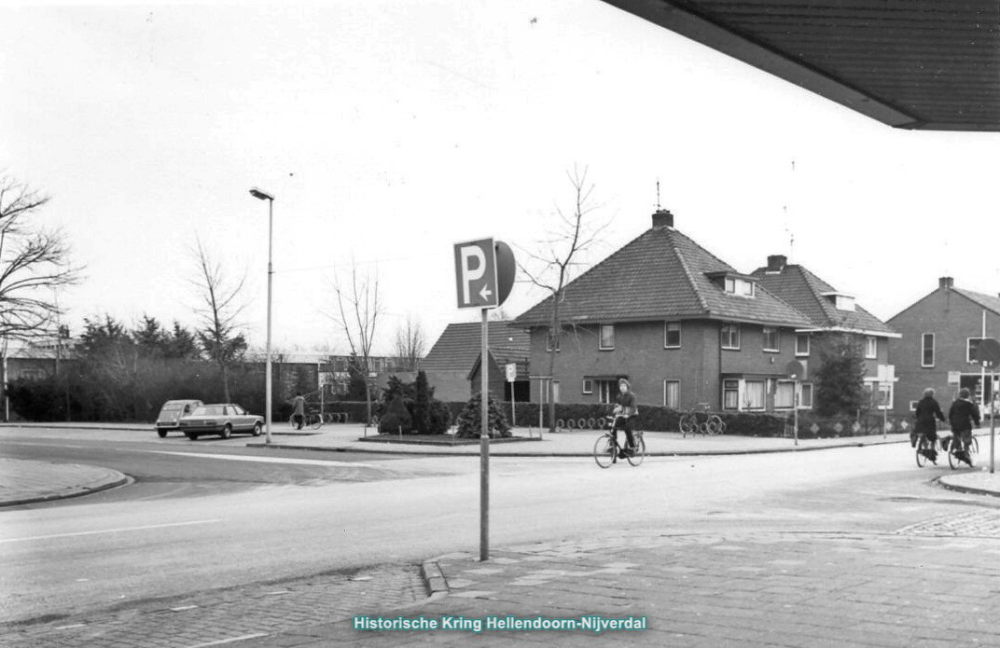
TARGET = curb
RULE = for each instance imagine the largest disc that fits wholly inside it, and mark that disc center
(969, 490)
(434, 580)
(82, 490)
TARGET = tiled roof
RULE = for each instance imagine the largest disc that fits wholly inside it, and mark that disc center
(804, 291)
(459, 346)
(662, 274)
(988, 302)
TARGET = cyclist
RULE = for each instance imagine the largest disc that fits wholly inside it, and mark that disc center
(299, 410)
(927, 411)
(963, 416)
(625, 411)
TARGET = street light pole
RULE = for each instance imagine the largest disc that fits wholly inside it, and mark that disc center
(262, 195)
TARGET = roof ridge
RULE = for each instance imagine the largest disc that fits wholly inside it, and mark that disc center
(979, 298)
(687, 271)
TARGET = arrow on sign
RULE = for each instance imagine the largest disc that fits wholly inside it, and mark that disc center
(485, 293)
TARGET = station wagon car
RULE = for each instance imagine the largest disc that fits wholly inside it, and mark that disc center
(170, 414)
(222, 419)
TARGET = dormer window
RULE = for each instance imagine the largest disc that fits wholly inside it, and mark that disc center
(733, 284)
(840, 301)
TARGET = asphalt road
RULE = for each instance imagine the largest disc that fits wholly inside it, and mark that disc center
(275, 518)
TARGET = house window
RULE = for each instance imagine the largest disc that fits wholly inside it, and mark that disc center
(882, 399)
(802, 344)
(771, 342)
(927, 350)
(871, 347)
(806, 396)
(548, 342)
(730, 394)
(588, 386)
(753, 397)
(741, 287)
(730, 336)
(784, 395)
(607, 390)
(607, 337)
(672, 335)
(672, 394)
(971, 346)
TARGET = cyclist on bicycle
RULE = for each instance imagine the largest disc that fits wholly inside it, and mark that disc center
(963, 416)
(927, 414)
(625, 411)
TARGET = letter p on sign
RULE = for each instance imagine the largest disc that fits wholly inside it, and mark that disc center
(476, 274)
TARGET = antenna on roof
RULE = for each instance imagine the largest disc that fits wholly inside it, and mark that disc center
(657, 194)
(788, 227)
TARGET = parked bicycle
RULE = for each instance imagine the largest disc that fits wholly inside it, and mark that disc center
(700, 419)
(607, 450)
(313, 420)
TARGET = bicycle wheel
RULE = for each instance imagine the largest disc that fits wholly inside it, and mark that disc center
(315, 421)
(639, 453)
(953, 451)
(714, 425)
(974, 446)
(921, 448)
(687, 425)
(604, 451)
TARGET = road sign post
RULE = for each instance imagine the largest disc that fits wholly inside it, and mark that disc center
(988, 353)
(484, 275)
(795, 371)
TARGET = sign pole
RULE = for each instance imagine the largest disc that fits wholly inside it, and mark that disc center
(795, 413)
(484, 448)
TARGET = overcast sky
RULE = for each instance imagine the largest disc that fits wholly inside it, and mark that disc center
(389, 131)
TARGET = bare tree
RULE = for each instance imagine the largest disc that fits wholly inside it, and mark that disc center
(218, 314)
(410, 344)
(554, 267)
(32, 264)
(357, 314)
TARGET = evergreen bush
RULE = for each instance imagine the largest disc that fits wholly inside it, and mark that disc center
(470, 420)
(396, 418)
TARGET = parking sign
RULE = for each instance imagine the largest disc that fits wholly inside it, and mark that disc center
(476, 274)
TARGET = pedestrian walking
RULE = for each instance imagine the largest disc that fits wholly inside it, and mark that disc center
(299, 410)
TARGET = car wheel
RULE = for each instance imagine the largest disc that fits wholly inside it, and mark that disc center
(162, 433)
(192, 436)
(256, 429)
(227, 431)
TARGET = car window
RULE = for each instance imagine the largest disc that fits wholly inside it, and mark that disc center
(208, 410)
(171, 407)
(237, 410)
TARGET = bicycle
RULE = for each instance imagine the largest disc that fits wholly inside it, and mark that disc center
(607, 450)
(311, 419)
(955, 450)
(922, 446)
(690, 421)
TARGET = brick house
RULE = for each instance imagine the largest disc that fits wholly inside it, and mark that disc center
(452, 365)
(940, 334)
(682, 325)
(831, 313)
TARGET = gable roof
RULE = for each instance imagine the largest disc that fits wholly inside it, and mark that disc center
(989, 302)
(662, 274)
(804, 291)
(460, 345)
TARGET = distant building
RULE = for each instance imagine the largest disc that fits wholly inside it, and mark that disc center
(452, 365)
(938, 347)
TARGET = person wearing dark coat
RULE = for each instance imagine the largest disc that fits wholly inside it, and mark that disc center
(927, 414)
(963, 416)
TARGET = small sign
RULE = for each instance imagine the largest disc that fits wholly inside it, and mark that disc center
(954, 377)
(511, 368)
(886, 373)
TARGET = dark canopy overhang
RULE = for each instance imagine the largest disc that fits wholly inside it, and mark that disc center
(914, 64)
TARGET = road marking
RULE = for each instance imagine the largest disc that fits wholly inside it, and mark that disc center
(183, 608)
(307, 462)
(231, 640)
(70, 627)
(119, 530)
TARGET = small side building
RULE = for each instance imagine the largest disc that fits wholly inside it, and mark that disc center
(452, 365)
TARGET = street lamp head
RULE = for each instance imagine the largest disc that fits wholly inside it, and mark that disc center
(260, 194)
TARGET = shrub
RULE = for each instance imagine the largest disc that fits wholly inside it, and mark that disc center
(439, 417)
(469, 421)
(396, 418)
(422, 404)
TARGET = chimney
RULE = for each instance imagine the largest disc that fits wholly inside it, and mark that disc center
(946, 283)
(776, 262)
(663, 218)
